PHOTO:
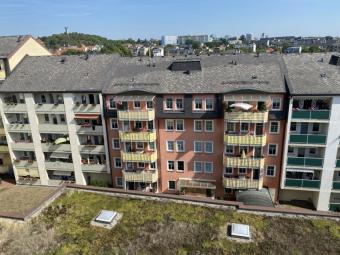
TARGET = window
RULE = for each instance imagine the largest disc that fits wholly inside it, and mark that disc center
(243, 149)
(230, 127)
(119, 181)
(198, 126)
(62, 117)
(171, 165)
(197, 166)
(244, 127)
(129, 166)
(136, 104)
(152, 166)
(168, 104)
(169, 125)
(43, 99)
(242, 171)
(208, 147)
(112, 104)
(171, 185)
(179, 125)
(229, 149)
(197, 146)
(209, 104)
(208, 168)
(316, 127)
(180, 165)
(150, 125)
(312, 151)
(276, 104)
(115, 144)
(198, 104)
(139, 145)
(290, 150)
(149, 104)
(170, 146)
(140, 165)
(152, 146)
(117, 163)
(180, 146)
(274, 127)
(138, 124)
(228, 170)
(179, 104)
(47, 118)
(114, 124)
(270, 171)
(272, 149)
(293, 126)
(209, 125)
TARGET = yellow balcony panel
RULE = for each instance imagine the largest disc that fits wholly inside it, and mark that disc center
(3, 148)
(14, 108)
(259, 140)
(26, 168)
(2, 131)
(142, 115)
(137, 136)
(139, 157)
(140, 176)
(2, 75)
(243, 162)
(253, 117)
(236, 183)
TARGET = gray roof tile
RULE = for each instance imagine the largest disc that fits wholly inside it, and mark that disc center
(8, 44)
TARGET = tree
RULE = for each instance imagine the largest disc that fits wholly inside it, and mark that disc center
(194, 44)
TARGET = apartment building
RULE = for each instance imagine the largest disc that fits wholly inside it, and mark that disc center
(53, 120)
(311, 158)
(208, 127)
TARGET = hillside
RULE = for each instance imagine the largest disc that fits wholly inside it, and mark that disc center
(57, 41)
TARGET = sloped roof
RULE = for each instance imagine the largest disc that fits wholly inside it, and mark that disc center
(9, 44)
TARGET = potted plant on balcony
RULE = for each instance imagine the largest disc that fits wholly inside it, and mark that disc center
(262, 107)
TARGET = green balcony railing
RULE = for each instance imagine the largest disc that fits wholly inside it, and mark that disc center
(308, 139)
(306, 162)
(336, 185)
(338, 163)
(306, 114)
(334, 207)
(302, 183)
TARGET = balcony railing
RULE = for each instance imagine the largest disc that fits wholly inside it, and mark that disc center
(87, 108)
(22, 146)
(51, 147)
(305, 162)
(336, 185)
(243, 162)
(94, 168)
(92, 149)
(309, 115)
(59, 166)
(3, 148)
(2, 131)
(89, 130)
(137, 136)
(19, 128)
(49, 108)
(255, 117)
(337, 163)
(139, 157)
(302, 183)
(14, 108)
(140, 176)
(259, 140)
(53, 128)
(142, 115)
(334, 207)
(236, 183)
(26, 168)
(308, 139)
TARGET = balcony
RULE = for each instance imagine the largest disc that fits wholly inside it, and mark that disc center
(26, 168)
(139, 157)
(51, 147)
(237, 183)
(92, 149)
(333, 206)
(2, 131)
(3, 148)
(251, 140)
(337, 164)
(59, 166)
(14, 108)
(305, 162)
(53, 128)
(87, 108)
(243, 162)
(94, 168)
(302, 183)
(308, 139)
(318, 115)
(140, 176)
(252, 117)
(336, 185)
(22, 146)
(50, 108)
(141, 115)
(19, 128)
(137, 136)
(89, 130)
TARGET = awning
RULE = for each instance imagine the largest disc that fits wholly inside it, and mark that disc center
(133, 98)
(62, 173)
(242, 98)
(82, 116)
(243, 106)
(197, 183)
(60, 155)
(300, 171)
(61, 140)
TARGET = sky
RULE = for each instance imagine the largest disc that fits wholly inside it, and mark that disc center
(122, 19)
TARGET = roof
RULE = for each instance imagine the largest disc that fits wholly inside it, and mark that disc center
(218, 74)
(311, 74)
(8, 44)
(61, 74)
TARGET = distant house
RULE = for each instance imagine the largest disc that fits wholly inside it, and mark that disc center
(293, 50)
(158, 52)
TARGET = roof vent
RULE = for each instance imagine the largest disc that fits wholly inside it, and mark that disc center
(323, 75)
(19, 38)
(320, 60)
(63, 60)
(87, 57)
(254, 77)
(335, 60)
(187, 72)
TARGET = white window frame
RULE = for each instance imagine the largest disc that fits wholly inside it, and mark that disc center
(146, 104)
(113, 144)
(167, 165)
(213, 104)
(239, 172)
(234, 127)
(111, 124)
(202, 128)
(201, 146)
(114, 162)
(276, 98)
(212, 125)
(116, 180)
(167, 145)
(225, 171)
(177, 170)
(276, 149)
(296, 127)
(244, 131)
(173, 125)
(166, 104)
(274, 172)
(212, 146)
(115, 107)
(205, 167)
(198, 109)
(169, 184)
(278, 127)
(137, 107)
(201, 163)
(179, 109)
(154, 146)
(153, 168)
(140, 167)
(179, 130)
(229, 153)
(138, 147)
(177, 145)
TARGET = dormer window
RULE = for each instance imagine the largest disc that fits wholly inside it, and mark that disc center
(169, 104)
(198, 104)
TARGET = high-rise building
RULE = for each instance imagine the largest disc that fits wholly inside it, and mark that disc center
(169, 40)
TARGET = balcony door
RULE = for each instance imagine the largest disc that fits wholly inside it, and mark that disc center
(301, 152)
(259, 129)
(304, 128)
(126, 126)
(256, 174)
(128, 147)
(257, 152)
